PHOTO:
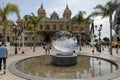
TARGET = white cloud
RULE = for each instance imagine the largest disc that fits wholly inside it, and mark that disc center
(105, 32)
(28, 6)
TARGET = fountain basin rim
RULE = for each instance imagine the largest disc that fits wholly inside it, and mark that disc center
(62, 55)
(113, 59)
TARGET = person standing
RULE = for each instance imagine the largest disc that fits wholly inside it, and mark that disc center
(3, 56)
(47, 48)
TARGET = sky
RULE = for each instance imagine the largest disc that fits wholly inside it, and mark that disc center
(28, 6)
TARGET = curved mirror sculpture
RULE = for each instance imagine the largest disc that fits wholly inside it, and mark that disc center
(64, 41)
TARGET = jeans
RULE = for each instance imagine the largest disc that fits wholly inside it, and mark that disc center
(4, 63)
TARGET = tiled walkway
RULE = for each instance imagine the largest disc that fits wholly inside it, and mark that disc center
(39, 51)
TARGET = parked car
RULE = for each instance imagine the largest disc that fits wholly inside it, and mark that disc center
(115, 44)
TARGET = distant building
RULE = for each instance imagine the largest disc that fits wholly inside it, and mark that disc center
(49, 25)
(8, 34)
(116, 26)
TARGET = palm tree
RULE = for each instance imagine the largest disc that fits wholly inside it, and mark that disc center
(35, 20)
(29, 27)
(79, 20)
(8, 22)
(107, 10)
(0, 22)
(4, 13)
(15, 31)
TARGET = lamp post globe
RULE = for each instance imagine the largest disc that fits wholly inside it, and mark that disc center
(99, 40)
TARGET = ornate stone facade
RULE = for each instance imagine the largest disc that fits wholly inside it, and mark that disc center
(9, 34)
(49, 25)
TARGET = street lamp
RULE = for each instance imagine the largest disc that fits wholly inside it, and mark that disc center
(15, 31)
(80, 34)
(19, 42)
(100, 28)
(23, 35)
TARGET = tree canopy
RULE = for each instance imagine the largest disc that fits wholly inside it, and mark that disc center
(5, 12)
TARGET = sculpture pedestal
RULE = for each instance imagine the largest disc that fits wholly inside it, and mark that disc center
(64, 60)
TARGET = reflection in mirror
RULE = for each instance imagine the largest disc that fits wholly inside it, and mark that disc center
(64, 41)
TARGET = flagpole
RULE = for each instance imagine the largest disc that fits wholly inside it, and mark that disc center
(92, 33)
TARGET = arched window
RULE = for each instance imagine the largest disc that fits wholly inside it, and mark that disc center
(54, 27)
(41, 26)
(47, 27)
(61, 27)
(68, 27)
(25, 38)
(54, 15)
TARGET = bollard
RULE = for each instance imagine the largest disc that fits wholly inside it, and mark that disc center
(93, 51)
(23, 52)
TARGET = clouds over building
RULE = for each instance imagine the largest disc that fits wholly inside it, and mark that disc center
(28, 6)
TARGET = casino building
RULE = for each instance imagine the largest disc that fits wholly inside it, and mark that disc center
(49, 25)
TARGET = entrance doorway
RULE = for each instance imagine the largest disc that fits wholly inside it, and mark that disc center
(47, 38)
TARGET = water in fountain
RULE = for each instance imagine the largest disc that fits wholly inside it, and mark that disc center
(48, 75)
(36, 76)
(78, 75)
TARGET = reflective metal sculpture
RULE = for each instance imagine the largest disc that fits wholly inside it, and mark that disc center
(64, 41)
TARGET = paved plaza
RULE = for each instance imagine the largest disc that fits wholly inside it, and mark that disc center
(40, 51)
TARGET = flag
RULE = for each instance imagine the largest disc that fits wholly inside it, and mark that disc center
(92, 28)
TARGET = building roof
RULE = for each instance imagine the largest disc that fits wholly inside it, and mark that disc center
(67, 11)
(54, 14)
(41, 10)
